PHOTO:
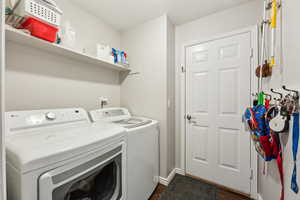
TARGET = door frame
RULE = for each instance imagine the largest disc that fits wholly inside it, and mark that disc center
(2, 105)
(181, 98)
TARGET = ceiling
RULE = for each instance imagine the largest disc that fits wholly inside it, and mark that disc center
(123, 14)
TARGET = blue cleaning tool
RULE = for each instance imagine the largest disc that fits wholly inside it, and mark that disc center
(114, 53)
(294, 184)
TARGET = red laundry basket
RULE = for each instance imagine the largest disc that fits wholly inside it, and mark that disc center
(40, 29)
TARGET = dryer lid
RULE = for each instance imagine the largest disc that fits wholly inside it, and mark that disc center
(33, 150)
(35, 139)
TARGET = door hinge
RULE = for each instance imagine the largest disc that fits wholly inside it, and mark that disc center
(251, 53)
(183, 70)
(251, 174)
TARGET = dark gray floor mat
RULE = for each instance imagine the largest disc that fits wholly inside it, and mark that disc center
(186, 188)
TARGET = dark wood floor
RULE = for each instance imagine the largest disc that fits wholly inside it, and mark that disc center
(159, 189)
(222, 194)
(227, 195)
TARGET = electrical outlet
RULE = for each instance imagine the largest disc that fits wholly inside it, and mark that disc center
(103, 101)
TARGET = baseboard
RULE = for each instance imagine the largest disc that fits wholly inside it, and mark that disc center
(163, 181)
(180, 171)
(259, 197)
(167, 181)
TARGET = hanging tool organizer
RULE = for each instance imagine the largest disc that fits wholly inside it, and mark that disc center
(272, 111)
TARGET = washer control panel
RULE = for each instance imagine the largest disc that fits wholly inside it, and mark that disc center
(110, 114)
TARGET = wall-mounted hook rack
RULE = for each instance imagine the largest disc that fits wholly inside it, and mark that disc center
(293, 91)
(280, 94)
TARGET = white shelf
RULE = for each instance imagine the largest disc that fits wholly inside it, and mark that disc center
(20, 37)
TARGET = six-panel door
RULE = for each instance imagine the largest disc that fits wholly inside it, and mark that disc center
(218, 90)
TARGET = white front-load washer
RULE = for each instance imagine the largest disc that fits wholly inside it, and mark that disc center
(142, 150)
(61, 155)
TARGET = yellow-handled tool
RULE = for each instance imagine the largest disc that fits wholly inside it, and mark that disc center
(273, 28)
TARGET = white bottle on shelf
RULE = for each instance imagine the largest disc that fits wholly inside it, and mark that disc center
(103, 51)
(68, 35)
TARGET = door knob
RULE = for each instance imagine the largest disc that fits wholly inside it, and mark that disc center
(189, 117)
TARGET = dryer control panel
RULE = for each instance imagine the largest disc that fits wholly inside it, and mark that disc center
(24, 120)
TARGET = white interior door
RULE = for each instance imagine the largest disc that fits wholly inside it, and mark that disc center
(218, 90)
(2, 71)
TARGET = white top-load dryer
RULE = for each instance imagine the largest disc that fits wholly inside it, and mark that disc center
(61, 155)
(142, 150)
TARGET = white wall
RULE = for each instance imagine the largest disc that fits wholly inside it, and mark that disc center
(269, 186)
(212, 25)
(2, 109)
(291, 41)
(36, 79)
(90, 30)
(146, 93)
(236, 18)
(171, 93)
